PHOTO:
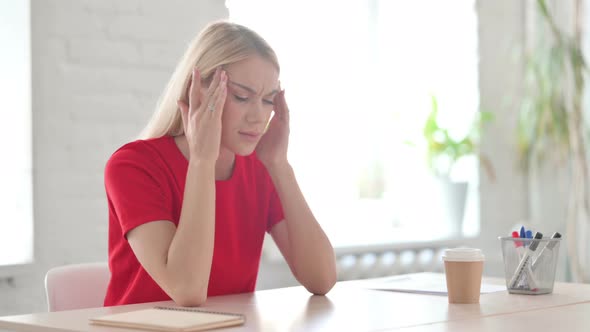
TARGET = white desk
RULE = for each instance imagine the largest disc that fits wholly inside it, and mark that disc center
(566, 318)
(350, 308)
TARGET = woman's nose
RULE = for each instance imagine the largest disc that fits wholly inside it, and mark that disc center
(256, 113)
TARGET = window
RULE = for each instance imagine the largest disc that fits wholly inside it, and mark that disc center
(359, 76)
(16, 206)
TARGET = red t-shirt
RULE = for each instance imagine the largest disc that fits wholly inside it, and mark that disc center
(144, 182)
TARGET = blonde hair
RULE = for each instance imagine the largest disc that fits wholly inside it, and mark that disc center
(220, 43)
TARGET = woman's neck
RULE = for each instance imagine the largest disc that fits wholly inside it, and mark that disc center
(224, 167)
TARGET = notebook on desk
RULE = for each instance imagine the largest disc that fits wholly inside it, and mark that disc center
(171, 319)
(420, 283)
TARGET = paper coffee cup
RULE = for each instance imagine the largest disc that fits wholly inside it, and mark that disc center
(463, 272)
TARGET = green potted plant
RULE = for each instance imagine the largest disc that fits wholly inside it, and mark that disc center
(443, 152)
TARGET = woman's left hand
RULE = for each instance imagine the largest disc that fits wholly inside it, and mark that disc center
(272, 147)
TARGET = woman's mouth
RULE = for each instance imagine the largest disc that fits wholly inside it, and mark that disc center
(249, 135)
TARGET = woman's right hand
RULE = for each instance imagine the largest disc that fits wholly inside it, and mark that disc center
(201, 116)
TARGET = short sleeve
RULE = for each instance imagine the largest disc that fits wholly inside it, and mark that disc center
(275, 210)
(136, 187)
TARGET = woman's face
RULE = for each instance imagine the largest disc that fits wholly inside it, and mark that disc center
(251, 86)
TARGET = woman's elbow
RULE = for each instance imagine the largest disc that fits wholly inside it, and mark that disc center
(190, 301)
(323, 284)
(189, 298)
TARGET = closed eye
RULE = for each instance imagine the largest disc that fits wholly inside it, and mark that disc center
(240, 99)
(244, 99)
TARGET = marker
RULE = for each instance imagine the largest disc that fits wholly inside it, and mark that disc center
(549, 246)
(519, 248)
(528, 234)
(515, 236)
(524, 264)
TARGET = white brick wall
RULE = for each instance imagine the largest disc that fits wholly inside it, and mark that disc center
(98, 68)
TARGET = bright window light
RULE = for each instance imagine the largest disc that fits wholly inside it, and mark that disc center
(16, 202)
(359, 76)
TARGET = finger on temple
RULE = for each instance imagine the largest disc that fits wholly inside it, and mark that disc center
(214, 82)
(221, 95)
(208, 91)
(218, 95)
(284, 107)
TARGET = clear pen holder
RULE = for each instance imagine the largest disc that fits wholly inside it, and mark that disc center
(530, 271)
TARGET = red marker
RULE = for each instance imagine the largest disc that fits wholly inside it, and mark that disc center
(516, 235)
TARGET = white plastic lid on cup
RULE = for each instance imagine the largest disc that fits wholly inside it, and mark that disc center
(463, 255)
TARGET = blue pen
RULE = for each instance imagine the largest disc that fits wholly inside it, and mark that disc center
(522, 233)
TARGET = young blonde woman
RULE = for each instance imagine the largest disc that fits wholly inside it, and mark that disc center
(190, 201)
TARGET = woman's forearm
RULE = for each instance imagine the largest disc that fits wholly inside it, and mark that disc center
(312, 256)
(191, 250)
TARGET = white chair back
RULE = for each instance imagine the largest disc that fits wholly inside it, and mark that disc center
(76, 286)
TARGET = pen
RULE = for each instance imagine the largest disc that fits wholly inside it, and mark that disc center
(549, 246)
(519, 249)
(515, 236)
(524, 264)
(528, 235)
(518, 244)
(523, 235)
